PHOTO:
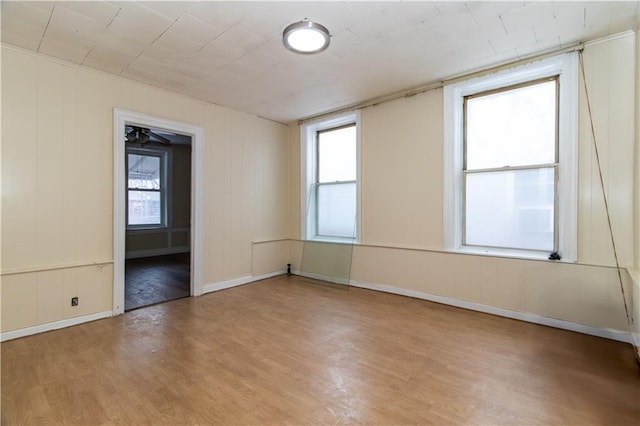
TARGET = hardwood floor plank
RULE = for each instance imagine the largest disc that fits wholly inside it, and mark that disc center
(287, 351)
(150, 280)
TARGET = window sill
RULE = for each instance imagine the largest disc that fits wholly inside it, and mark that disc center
(346, 241)
(147, 228)
(513, 254)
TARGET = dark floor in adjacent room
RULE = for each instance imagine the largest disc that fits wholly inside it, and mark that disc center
(156, 279)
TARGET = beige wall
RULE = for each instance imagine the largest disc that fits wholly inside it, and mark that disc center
(57, 186)
(402, 205)
(57, 191)
(609, 68)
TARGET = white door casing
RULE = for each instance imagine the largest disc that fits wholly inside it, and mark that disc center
(121, 118)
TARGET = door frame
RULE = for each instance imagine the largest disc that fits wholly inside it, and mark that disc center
(121, 118)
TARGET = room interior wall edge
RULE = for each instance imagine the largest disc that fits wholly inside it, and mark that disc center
(399, 177)
(290, 186)
(53, 106)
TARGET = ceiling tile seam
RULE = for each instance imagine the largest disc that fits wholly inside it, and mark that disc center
(156, 39)
(466, 6)
(44, 33)
(103, 31)
(220, 68)
(216, 37)
(503, 26)
(492, 47)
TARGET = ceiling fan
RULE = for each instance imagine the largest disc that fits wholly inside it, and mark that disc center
(141, 135)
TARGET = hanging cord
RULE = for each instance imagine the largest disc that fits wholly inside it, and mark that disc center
(606, 204)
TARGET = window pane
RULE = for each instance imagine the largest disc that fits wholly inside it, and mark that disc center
(144, 208)
(144, 171)
(512, 128)
(511, 209)
(337, 155)
(337, 210)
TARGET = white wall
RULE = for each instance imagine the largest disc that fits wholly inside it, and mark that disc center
(402, 205)
(57, 178)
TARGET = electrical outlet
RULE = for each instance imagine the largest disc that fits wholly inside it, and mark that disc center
(74, 301)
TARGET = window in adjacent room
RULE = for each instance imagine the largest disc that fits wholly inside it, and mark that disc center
(146, 188)
(514, 191)
(330, 179)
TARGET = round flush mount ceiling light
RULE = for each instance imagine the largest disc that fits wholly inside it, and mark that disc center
(306, 37)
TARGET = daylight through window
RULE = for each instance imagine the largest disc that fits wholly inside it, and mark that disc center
(145, 189)
(510, 167)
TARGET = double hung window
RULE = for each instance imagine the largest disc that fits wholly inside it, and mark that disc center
(330, 179)
(510, 167)
(146, 188)
(510, 155)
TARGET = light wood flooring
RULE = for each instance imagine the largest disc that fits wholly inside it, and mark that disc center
(288, 351)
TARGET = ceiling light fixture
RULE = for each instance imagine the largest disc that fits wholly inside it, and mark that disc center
(306, 37)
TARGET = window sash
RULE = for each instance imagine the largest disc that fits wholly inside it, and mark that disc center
(317, 146)
(309, 155)
(318, 207)
(508, 88)
(556, 220)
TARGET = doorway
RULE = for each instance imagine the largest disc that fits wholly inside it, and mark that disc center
(157, 210)
(158, 214)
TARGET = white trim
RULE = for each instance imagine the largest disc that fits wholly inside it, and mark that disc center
(307, 174)
(28, 331)
(55, 267)
(605, 39)
(156, 252)
(222, 285)
(120, 118)
(565, 66)
(607, 333)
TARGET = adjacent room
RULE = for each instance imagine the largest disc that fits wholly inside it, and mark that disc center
(266, 212)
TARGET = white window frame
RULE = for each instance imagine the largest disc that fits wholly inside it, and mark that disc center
(309, 163)
(165, 180)
(564, 66)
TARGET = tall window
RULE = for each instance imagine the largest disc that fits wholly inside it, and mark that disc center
(330, 176)
(336, 182)
(510, 167)
(146, 188)
(510, 157)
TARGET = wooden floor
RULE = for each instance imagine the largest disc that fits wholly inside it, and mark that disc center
(150, 280)
(287, 351)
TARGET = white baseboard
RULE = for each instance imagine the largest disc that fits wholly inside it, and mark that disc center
(607, 333)
(27, 331)
(156, 252)
(208, 288)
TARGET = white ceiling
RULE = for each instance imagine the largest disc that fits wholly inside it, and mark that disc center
(231, 54)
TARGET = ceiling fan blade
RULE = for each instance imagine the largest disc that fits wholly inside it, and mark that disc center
(159, 138)
(131, 136)
(144, 138)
